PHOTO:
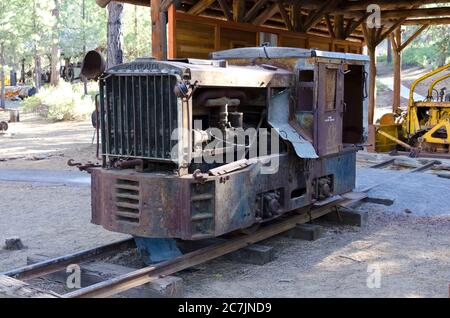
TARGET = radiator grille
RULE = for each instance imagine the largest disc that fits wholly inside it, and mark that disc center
(140, 114)
(127, 201)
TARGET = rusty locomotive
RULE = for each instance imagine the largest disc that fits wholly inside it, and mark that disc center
(161, 123)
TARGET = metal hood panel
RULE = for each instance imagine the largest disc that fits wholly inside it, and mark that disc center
(278, 118)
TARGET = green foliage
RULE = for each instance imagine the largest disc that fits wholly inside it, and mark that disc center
(382, 58)
(418, 56)
(432, 47)
(137, 32)
(381, 87)
(60, 103)
(27, 26)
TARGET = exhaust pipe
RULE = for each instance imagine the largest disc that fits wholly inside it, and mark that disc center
(93, 66)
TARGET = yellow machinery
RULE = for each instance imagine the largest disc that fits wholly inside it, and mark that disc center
(424, 127)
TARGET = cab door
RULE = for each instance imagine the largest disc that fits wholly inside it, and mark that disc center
(329, 109)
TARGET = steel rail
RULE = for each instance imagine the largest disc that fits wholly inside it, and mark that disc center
(60, 263)
(148, 274)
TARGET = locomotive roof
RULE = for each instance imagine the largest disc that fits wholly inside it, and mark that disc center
(283, 52)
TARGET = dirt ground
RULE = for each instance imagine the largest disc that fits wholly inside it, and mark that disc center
(37, 144)
(409, 252)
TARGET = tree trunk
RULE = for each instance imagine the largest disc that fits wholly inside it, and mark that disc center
(115, 33)
(397, 71)
(372, 84)
(54, 77)
(2, 75)
(37, 58)
(37, 71)
(389, 51)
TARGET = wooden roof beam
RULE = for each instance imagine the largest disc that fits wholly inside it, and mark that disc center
(381, 37)
(226, 9)
(416, 13)
(434, 21)
(330, 26)
(266, 14)
(353, 25)
(200, 6)
(297, 16)
(238, 10)
(412, 37)
(362, 5)
(386, 4)
(315, 17)
(285, 16)
(253, 12)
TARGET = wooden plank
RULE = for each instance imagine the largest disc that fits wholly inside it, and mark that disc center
(285, 16)
(226, 9)
(339, 26)
(417, 13)
(171, 27)
(330, 26)
(314, 18)
(238, 10)
(432, 21)
(199, 7)
(266, 14)
(256, 28)
(253, 12)
(383, 164)
(351, 26)
(13, 288)
(297, 17)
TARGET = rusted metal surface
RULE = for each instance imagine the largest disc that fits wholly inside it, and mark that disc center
(83, 166)
(143, 191)
(166, 205)
(328, 130)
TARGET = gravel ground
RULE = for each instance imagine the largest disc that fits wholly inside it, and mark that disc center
(411, 254)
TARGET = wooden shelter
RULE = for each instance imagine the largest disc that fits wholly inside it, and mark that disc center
(197, 27)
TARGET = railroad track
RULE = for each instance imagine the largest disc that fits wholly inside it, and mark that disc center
(13, 280)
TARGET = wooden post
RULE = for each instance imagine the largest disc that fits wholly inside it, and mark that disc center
(372, 83)
(159, 34)
(172, 44)
(339, 26)
(397, 36)
(369, 35)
